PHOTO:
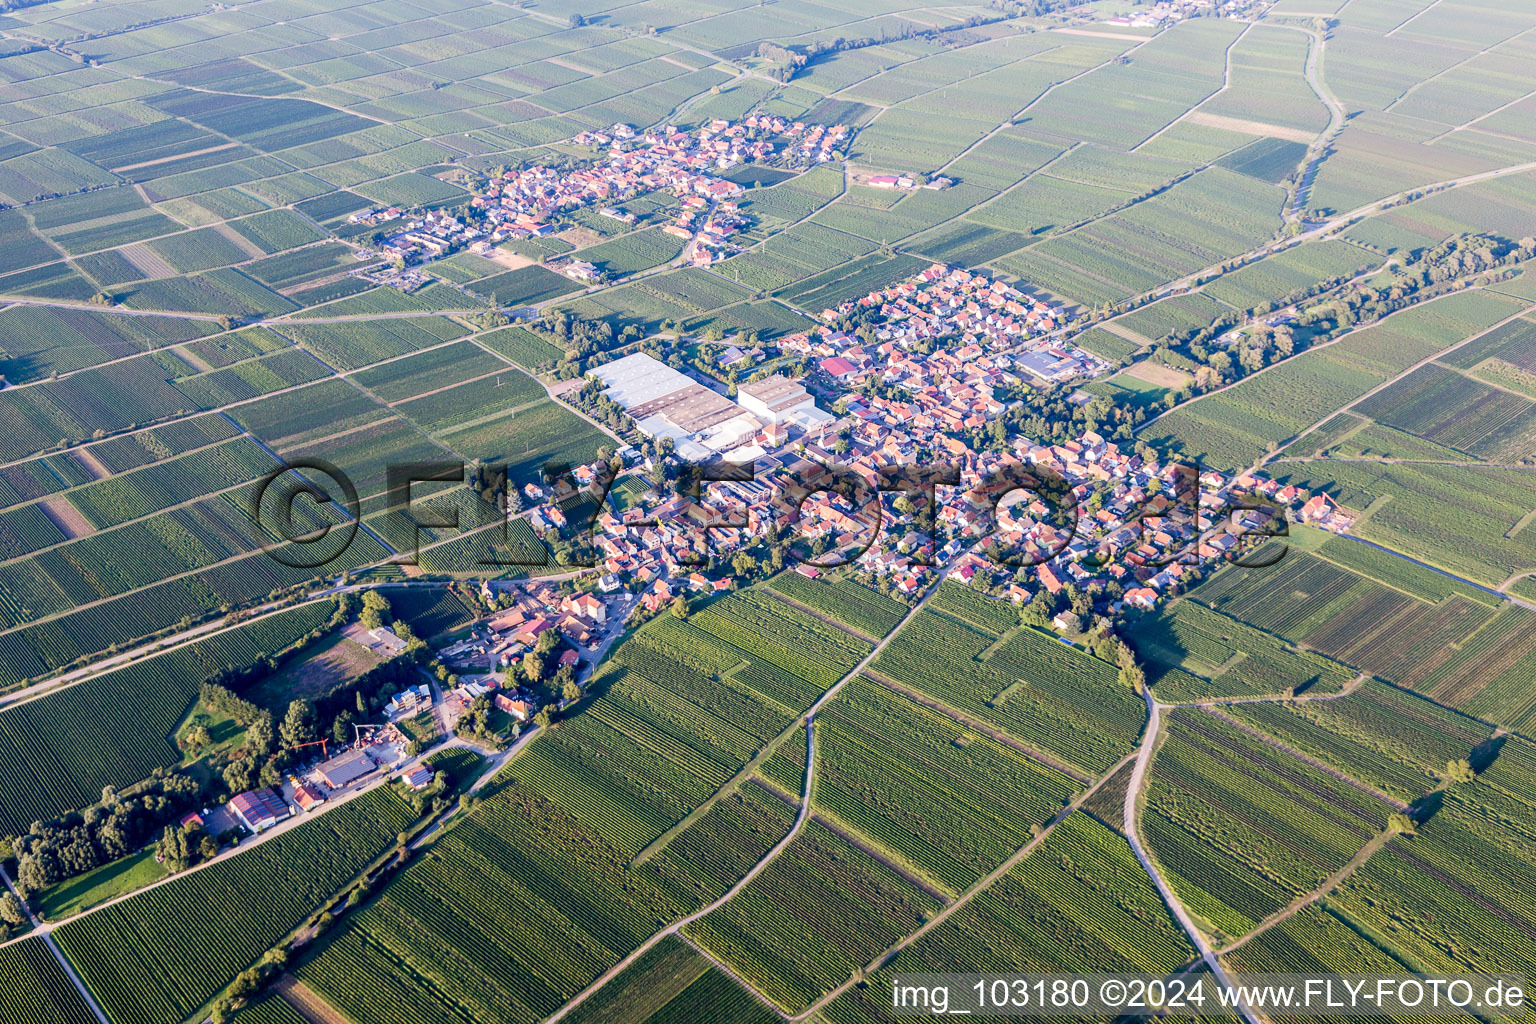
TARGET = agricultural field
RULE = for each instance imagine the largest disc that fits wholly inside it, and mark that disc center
(566, 905)
(949, 803)
(1401, 627)
(119, 725)
(840, 598)
(1240, 828)
(1193, 653)
(1042, 692)
(1078, 903)
(36, 990)
(1243, 423)
(156, 957)
(204, 205)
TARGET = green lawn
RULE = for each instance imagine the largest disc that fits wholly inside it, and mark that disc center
(85, 891)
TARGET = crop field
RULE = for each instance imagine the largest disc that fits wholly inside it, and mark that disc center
(457, 406)
(1192, 653)
(522, 347)
(1268, 84)
(1045, 693)
(632, 253)
(35, 990)
(1465, 519)
(1353, 618)
(1240, 828)
(838, 597)
(1379, 734)
(1319, 940)
(951, 804)
(1173, 315)
(115, 729)
(1236, 427)
(1451, 409)
(42, 340)
(761, 933)
(156, 957)
(353, 344)
(1080, 903)
(1282, 277)
(142, 492)
(671, 982)
(1435, 899)
(528, 439)
(536, 903)
(183, 296)
(1271, 160)
(526, 286)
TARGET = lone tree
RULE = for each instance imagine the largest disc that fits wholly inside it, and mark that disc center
(1459, 771)
(1401, 823)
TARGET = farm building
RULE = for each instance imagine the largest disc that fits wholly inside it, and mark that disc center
(259, 809)
(345, 769)
(419, 778)
(308, 797)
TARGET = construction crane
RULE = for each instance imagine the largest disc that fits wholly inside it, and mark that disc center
(322, 743)
(358, 731)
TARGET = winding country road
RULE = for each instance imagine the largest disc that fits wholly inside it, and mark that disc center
(753, 872)
(1138, 777)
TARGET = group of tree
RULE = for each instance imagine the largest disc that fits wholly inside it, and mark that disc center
(1341, 303)
(81, 841)
(183, 846)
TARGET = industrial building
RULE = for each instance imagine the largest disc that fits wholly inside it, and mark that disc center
(666, 403)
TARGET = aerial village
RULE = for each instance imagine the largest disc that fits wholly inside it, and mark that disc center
(1132, 532)
(998, 342)
(523, 203)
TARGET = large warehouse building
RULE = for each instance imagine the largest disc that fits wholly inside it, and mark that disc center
(666, 403)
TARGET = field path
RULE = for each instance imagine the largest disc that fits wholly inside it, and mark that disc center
(1330, 883)
(734, 782)
(41, 930)
(1144, 757)
(756, 869)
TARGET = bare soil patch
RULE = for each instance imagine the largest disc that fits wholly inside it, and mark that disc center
(1238, 124)
(1157, 373)
(66, 517)
(305, 1000)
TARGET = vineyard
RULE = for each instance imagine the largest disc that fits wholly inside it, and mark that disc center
(35, 990)
(1079, 903)
(1453, 896)
(158, 956)
(821, 909)
(1379, 734)
(671, 983)
(1239, 826)
(1048, 694)
(952, 804)
(840, 598)
(1366, 624)
(1191, 653)
(520, 905)
(115, 729)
